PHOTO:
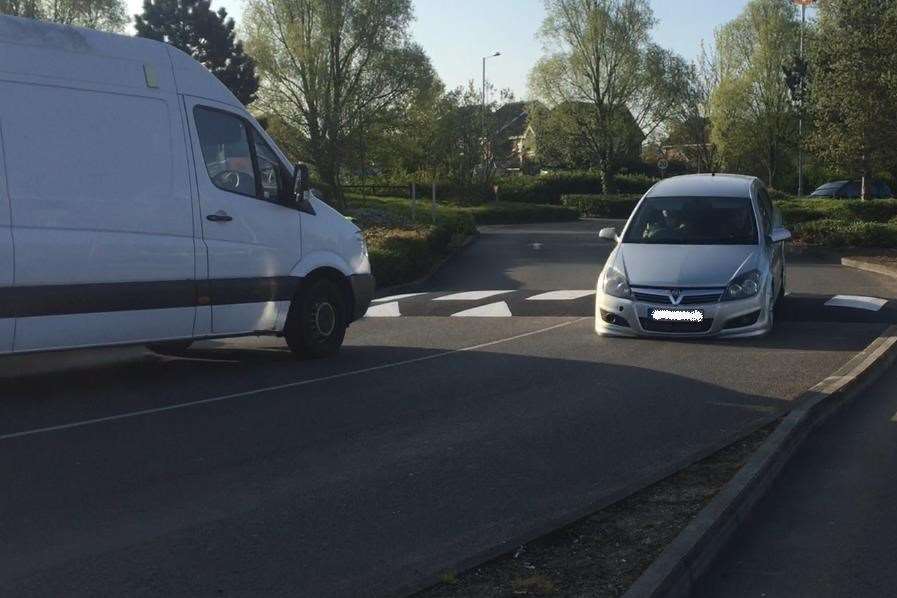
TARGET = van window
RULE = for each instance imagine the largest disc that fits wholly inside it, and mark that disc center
(225, 150)
(269, 170)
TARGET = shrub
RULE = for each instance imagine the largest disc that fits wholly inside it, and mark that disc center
(549, 188)
(516, 213)
(806, 210)
(840, 233)
(602, 206)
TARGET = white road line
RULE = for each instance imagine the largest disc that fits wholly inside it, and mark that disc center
(493, 310)
(239, 395)
(471, 295)
(561, 296)
(856, 302)
(397, 297)
(385, 310)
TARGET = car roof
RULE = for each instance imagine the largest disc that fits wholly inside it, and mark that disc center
(704, 185)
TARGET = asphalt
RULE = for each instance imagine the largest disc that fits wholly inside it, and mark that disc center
(827, 526)
(231, 469)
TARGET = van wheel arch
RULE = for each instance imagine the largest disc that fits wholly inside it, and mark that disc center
(308, 333)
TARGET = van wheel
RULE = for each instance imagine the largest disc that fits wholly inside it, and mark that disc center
(316, 325)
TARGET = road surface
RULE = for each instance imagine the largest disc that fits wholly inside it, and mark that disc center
(231, 469)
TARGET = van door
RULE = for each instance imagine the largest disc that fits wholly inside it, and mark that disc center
(7, 316)
(102, 216)
(251, 230)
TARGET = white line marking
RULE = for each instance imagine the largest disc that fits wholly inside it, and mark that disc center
(561, 296)
(471, 295)
(385, 310)
(493, 310)
(856, 302)
(397, 297)
(238, 395)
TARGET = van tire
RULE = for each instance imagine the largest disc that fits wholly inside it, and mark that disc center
(316, 324)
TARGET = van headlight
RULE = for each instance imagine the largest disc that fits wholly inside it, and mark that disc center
(615, 284)
(743, 286)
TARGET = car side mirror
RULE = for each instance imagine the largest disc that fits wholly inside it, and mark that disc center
(300, 181)
(609, 233)
(780, 234)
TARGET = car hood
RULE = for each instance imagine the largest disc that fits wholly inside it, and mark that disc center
(685, 265)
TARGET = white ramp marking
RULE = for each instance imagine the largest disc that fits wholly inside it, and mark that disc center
(397, 297)
(493, 310)
(536, 246)
(471, 295)
(856, 302)
(385, 310)
(561, 296)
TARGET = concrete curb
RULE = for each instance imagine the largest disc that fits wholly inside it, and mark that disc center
(690, 555)
(861, 264)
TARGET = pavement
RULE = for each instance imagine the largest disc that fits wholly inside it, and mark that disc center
(232, 469)
(826, 527)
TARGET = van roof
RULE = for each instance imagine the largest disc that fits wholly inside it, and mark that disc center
(48, 52)
(704, 185)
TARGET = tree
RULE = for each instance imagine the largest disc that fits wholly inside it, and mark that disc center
(604, 58)
(854, 88)
(753, 117)
(691, 128)
(103, 15)
(332, 69)
(207, 36)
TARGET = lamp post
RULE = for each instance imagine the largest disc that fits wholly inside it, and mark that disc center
(800, 116)
(485, 58)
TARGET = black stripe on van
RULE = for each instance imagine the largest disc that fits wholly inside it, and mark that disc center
(58, 300)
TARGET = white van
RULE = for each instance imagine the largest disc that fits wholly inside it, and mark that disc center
(140, 203)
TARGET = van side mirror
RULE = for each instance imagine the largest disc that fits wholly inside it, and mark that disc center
(608, 233)
(300, 181)
(780, 234)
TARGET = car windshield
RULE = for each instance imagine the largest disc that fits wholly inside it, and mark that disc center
(694, 221)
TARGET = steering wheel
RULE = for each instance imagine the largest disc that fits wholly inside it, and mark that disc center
(228, 179)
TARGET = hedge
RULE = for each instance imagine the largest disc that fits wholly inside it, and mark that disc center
(548, 189)
(840, 233)
(602, 206)
(516, 213)
(807, 210)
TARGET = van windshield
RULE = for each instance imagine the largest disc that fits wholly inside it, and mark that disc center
(694, 221)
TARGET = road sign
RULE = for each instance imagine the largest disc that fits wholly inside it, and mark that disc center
(663, 164)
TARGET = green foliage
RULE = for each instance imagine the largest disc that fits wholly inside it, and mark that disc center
(754, 120)
(208, 36)
(799, 211)
(854, 92)
(602, 206)
(548, 189)
(839, 233)
(103, 15)
(520, 213)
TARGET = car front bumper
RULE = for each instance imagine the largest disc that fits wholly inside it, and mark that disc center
(630, 318)
(363, 287)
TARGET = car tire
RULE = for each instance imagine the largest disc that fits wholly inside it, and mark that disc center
(316, 324)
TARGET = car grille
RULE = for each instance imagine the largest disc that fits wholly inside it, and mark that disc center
(663, 298)
(676, 327)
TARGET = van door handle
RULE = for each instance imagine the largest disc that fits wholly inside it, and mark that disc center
(220, 216)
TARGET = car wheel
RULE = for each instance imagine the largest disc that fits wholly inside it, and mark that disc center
(316, 324)
(772, 303)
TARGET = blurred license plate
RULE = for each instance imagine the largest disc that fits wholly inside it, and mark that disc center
(677, 315)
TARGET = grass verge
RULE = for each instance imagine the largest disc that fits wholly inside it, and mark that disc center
(602, 555)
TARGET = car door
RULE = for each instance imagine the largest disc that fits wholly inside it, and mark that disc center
(251, 231)
(7, 317)
(776, 250)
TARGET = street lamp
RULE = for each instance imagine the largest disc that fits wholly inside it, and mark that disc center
(485, 58)
(800, 117)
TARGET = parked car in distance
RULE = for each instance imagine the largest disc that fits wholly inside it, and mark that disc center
(141, 203)
(701, 255)
(851, 190)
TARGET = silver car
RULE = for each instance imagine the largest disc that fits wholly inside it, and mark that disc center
(701, 255)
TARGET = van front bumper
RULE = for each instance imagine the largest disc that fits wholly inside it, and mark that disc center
(363, 287)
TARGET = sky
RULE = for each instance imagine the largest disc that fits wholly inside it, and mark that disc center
(456, 34)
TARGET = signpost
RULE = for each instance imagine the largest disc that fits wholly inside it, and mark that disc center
(800, 122)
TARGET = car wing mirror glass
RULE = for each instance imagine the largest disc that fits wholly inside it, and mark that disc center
(780, 234)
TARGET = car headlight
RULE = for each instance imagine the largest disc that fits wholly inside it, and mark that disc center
(743, 286)
(615, 284)
(359, 236)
